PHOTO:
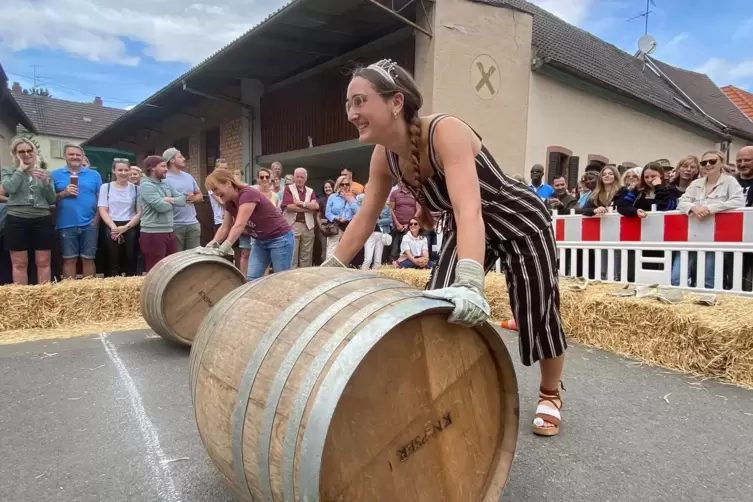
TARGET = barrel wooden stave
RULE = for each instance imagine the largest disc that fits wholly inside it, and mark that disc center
(180, 290)
(221, 357)
(453, 366)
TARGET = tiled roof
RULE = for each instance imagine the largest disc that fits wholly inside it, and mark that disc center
(742, 99)
(574, 50)
(709, 97)
(58, 117)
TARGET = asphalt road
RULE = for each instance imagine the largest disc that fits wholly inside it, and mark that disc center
(88, 419)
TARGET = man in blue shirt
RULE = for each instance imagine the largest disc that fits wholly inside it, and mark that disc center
(77, 189)
(543, 190)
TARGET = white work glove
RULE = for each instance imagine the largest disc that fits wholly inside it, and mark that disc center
(226, 249)
(214, 249)
(466, 293)
(333, 262)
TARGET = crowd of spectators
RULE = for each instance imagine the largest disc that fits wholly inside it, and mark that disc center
(697, 186)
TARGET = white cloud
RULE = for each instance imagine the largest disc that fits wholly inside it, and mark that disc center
(743, 69)
(572, 11)
(676, 41)
(98, 29)
(725, 72)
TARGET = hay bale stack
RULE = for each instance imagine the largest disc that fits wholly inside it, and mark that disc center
(711, 341)
(70, 302)
(701, 340)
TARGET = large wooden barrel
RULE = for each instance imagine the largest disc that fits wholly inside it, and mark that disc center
(180, 289)
(324, 384)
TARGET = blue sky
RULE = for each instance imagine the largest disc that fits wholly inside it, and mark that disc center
(125, 50)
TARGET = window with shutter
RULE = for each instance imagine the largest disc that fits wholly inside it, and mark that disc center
(554, 166)
(572, 172)
(56, 149)
(557, 162)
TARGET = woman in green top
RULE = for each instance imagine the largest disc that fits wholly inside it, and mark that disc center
(28, 225)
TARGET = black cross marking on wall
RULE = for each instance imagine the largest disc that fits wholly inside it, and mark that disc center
(485, 77)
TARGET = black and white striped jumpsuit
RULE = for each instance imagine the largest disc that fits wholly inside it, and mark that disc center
(518, 230)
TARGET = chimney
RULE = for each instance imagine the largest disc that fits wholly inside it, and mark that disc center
(17, 87)
(98, 101)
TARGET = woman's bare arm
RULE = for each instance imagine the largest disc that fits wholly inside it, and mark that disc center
(244, 214)
(221, 234)
(454, 142)
(362, 225)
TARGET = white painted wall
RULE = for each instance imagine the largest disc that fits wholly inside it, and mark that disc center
(45, 150)
(735, 146)
(7, 132)
(560, 115)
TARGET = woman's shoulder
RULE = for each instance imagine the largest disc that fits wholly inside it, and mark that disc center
(729, 179)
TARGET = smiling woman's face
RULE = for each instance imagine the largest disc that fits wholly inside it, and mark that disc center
(710, 163)
(367, 110)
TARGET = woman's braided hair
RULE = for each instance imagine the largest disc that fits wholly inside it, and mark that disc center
(389, 79)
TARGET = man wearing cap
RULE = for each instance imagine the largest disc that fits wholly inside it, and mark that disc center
(158, 200)
(185, 224)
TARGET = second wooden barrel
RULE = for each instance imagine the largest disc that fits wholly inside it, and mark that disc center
(325, 384)
(179, 291)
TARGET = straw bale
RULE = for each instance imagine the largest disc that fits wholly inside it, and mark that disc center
(709, 341)
(70, 302)
(73, 330)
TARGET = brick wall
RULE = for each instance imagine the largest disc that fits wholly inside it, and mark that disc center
(222, 115)
(231, 144)
(193, 166)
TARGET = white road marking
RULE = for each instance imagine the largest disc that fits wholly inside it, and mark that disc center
(155, 457)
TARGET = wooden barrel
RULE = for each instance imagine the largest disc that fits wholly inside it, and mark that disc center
(323, 384)
(179, 291)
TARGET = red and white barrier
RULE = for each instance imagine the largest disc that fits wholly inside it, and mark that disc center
(643, 249)
(733, 226)
(647, 248)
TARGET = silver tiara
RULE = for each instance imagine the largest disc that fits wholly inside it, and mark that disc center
(385, 68)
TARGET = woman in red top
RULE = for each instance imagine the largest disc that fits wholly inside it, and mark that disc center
(248, 209)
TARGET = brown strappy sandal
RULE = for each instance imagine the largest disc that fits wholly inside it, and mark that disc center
(547, 412)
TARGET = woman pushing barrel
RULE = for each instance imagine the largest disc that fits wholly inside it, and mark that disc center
(489, 216)
(248, 209)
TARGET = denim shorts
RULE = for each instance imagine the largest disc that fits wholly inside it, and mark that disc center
(79, 242)
(245, 241)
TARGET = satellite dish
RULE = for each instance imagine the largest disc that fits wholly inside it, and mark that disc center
(647, 44)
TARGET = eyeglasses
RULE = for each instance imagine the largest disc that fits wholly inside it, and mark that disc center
(344, 185)
(711, 162)
(356, 101)
(24, 152)
(413, 224)
(265, 177)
